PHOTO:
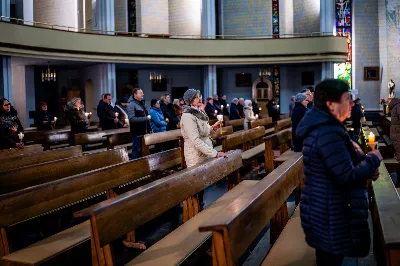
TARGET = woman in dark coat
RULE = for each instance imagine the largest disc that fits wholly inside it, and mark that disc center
(75, 117)
(44, 119)
(334, 202)
(10, 126)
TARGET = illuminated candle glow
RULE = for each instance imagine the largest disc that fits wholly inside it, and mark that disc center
(371, 138)
(116, 115)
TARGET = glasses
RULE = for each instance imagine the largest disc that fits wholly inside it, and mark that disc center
(7, 104)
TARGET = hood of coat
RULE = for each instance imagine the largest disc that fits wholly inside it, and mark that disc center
(316, 118)
(393, 103)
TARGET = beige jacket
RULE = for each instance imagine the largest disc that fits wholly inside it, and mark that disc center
(248, 116)
(197, 141)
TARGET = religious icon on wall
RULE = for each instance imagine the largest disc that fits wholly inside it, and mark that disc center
(391, 86)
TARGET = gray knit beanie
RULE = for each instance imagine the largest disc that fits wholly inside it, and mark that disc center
(300, 97)
(189, 95)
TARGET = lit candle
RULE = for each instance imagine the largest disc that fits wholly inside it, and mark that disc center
(256, 116)
(149, 117)
(166, 120)
(220, 119)
(222, 107)
(116, 115)
(260, 108)
(86, 114)
(55, 119)
(126, 121)
(90, 113)
(215, 111)
(227, 105)
(277, 106)
(20, 135)
(371, 138)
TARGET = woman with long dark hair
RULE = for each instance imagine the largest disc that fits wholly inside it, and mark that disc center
(10, 126)
(334, 200)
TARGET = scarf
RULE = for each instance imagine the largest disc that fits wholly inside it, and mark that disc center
(196, 112)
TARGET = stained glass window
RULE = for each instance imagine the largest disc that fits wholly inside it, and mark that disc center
(344, 28)
(276, 79)
(275, 18)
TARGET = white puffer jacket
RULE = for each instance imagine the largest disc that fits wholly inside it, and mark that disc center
(196, 134)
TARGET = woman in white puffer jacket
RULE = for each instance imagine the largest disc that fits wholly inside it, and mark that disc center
(196, 131)
(248, 113)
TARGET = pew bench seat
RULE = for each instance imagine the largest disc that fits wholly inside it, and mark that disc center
(284, 156)
(391, 164)
(269, 131)
(255, 151)
(291, 248)
(186, 239)
(52, 246)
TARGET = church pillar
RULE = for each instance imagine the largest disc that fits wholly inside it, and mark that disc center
(103, 16)
(208, 23)
(5, 8)
(108, 80)
(6, 78)
(210, 81)
(327, 25)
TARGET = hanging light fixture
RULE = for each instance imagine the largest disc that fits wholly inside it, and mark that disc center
(264, 73)
(49, 74)
(155, 77)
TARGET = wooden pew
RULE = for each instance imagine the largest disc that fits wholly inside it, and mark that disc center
(21, 205)
(49, 171)
(36, 158)
(283, 124)
(26, 150)
(217, 136)
(239, 223)
(386, 220)
(161, 137)
(265, 122)
(283, 140)
(121, 140)
(113, 218)
(237, 124)
(94, 139)
(56, 138)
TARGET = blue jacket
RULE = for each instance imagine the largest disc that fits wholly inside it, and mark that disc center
(157, 122)
(298, 113)
(334, 202)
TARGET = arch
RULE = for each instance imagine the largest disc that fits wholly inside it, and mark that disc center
(265, 81)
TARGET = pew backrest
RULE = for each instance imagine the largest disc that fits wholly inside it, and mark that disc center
(113, 218)
(282, 124)
(225, 132)
(55, 137)
(16, 152)
(90, 138)
(237, 124)
(244, 138)
(236, 227)
(283, 140)
(23, 204)
(160, 137)
(36, 158)
(265, 122)
(49, 171)
(118, 139)
(386, 219)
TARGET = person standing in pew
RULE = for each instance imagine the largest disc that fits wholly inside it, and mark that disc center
(223, 102)
(394, 108)
(76, 117)
(138, 122)
(121, 107)
(334, 199)
(44, 119)
(106, 113)
(356, 115)
(196, 133)
(169, 112)
(10, 126)
(233, 111)
(240, 107)
(210, 109)
(157, 122)
(298, 112)
(248, 114)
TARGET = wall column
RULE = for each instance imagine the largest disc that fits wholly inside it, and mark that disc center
(208, 22)
(6, 78)
(103, 15)
(5, 8)
(19, 93)
(210, 81)
(327, 24)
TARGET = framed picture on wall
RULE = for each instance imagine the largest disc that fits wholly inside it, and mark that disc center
(244, 80)
(371, 73)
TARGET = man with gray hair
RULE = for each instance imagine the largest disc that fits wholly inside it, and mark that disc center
(240, 107)
(298, 112)
(233, 111)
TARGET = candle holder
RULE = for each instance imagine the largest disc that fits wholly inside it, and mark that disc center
(220, 119)
(372, 146)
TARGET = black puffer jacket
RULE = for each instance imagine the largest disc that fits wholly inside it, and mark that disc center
(9, 137)
(106, 114)
(334, 202)
(76, 118)
(41, 117)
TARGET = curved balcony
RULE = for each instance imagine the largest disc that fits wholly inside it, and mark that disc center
(40, 42)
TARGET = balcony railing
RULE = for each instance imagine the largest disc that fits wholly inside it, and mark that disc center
(31, 23)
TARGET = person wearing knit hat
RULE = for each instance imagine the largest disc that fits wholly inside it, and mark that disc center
(121, 107)
(44, 120)
(75, 117)
(196, 132)
(298, 112)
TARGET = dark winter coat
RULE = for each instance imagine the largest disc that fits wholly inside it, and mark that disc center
(106, 114)
(394, 108)
(298, 113)
(356, 115)
(76, 118)
(334, 202)
(234, 112)
(210, 111)
(137, 113)
(41, 117)
(225, 109)
(169, 112)
(9, 138)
